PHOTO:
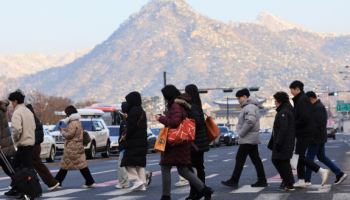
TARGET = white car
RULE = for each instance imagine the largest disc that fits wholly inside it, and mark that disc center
(48, 147)
(92, 123)
(114, 137)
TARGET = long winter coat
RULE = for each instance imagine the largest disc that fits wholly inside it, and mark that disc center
(283, 134)
(320, 118)
(180, 154)
(74, 153)
(6, 142)
(304, 124)
(136, 133)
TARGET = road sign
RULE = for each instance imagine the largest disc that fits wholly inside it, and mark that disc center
(343, 107)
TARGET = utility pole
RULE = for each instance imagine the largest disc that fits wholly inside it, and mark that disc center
(164, 78)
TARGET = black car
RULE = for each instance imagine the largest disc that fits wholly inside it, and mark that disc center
(226, 135)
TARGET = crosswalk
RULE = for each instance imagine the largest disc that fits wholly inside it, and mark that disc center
(110, 193)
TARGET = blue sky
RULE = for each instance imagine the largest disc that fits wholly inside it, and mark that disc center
(58, 26)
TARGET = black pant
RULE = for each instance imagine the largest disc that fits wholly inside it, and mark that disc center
(243, 151)
(285, 170)
(23, 157)
(302, 145)
(198, 164)
(61, 175)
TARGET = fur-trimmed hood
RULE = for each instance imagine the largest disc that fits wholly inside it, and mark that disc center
(184, 100)
(72, 117)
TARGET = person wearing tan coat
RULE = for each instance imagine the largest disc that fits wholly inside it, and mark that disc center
(74, 153)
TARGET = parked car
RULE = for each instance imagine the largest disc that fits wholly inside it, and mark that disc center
(48, 147)
(114, 137)
(234, 138)
(151, 140)
(155, 131)
(94, 124)
(226, 135)
(331, 131)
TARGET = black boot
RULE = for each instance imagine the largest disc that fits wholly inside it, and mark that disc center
(260, 183)
(206, 193)
(165, 198)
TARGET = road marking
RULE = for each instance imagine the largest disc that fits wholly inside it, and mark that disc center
(227, 160)
(62, 198)
(245, 166)
(182, 190)
(62, 192)
(247, 189)
(151, 164)
(263, 160)
(272, 196)
(116, 192)
(127, 198)
(230, 153)
(211, 176)
(213, 156)
(104, 172)
(319, 189)
(209, 160)
(340, 196)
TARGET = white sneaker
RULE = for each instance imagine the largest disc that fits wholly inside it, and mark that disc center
(324, 173)
(182, 183)
(300, 184)
(307, 184)
(53, 187)
(89, 186)
(137, 186)
(121, 186)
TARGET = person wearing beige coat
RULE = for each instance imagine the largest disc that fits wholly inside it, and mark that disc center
(74, 153)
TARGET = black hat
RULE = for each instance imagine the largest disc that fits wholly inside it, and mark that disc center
(170, 92)
(243, 92)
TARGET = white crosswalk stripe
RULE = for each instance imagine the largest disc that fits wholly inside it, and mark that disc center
(340, 196)
(248, 189)
(127, 198)
(62, 192)
(272, 196)
(318, 189)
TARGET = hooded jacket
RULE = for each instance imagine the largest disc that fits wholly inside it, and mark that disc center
(320, 118)
(136, 133)
(248, 125)
(6, 142)
(304, 123)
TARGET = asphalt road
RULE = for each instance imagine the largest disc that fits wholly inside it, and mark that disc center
(219, 164)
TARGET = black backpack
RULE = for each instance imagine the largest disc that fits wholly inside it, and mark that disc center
(39, 131)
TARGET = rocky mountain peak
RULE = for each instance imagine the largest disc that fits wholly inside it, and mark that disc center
(275, 23)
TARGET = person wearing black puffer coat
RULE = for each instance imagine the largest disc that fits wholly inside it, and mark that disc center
(201, 141)
(136, 142)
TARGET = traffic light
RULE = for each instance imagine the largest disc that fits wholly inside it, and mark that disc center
(227, 90)
(333, 94)
(254, 89)
(202, 91)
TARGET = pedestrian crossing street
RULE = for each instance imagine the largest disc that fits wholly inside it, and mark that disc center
(222, 193)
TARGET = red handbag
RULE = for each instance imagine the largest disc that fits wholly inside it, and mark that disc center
(185, 132)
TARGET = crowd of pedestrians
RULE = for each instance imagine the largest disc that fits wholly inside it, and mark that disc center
(298, 130)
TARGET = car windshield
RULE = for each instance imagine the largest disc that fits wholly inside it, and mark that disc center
(87, 125)
(113, 131)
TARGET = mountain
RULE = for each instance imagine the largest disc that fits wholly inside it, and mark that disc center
(17, 65)
(168, 35)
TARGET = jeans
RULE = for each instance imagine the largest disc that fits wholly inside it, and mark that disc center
(302, 145)
(243, 151)
(184, 172)
(319, 150)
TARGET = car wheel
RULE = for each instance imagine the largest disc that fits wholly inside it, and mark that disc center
(229, 142)
(107, 153)
(52, 155)
(91, 152)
